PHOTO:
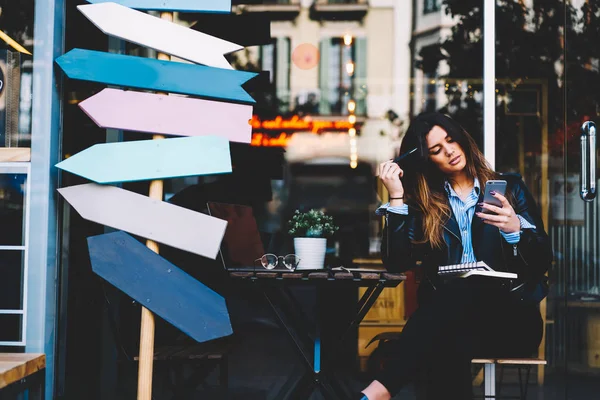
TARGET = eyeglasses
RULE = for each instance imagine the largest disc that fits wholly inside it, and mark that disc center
(270, 261)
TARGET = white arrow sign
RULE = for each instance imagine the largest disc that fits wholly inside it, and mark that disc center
(146, 30)
(152, 219)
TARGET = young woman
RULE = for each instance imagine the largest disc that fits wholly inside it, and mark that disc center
(435, 218)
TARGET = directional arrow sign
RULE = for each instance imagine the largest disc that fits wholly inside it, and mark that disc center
(216, 6)
(169, 115)
(156, 75)
(159, 286)
(152, 219)
(151, 159)
(146, 30)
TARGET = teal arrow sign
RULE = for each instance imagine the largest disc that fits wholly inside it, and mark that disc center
(156, 75)
(151, 159)
(216, 6)
(159, 286)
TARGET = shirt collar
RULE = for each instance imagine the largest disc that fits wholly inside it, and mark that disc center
(451, 192)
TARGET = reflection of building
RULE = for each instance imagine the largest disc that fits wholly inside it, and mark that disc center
(431, 26)
(332, 59)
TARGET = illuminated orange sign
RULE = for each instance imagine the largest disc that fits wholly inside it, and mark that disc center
(299, 124)
(262, 140)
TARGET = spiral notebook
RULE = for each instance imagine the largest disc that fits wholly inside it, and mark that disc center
(467, 270)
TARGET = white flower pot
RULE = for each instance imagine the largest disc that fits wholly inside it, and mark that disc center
(311, 252)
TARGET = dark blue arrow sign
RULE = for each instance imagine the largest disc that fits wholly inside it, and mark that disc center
(215, 6)
(159, 286)
(157, 75)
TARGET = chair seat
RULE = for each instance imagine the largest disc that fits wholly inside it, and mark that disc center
(506, 361)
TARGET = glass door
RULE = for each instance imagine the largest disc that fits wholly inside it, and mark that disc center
(547, 66)
(579, 257)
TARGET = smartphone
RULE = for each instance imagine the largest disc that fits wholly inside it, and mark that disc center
(498, 186)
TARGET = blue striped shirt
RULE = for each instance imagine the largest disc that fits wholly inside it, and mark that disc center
(464, 211)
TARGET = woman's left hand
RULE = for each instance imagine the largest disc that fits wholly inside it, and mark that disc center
(505, 219)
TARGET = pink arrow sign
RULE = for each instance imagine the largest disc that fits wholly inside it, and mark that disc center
(169, 115)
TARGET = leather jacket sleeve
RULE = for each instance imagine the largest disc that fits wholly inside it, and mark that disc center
(399, 253)
(534, 249)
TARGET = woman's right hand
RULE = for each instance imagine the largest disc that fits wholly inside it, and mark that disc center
(390, 173)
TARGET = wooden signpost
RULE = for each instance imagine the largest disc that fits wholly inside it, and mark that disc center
(201, 6)
(156, 75)
(159, 286)
(150, 218)
(159, 34)
(148, 159)
(118, 257)
(169, 115)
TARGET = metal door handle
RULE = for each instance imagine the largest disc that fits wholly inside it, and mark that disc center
(588, 161)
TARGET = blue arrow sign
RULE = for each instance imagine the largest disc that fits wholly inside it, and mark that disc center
(159, 286)
(215, 6)
(151, 159)
(157, 75)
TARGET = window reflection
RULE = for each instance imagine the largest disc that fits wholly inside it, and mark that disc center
(12, 195)
(11, 284)
(16, 65)
(10, 327)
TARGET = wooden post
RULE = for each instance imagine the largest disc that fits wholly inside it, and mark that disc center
(146, 359)
(545, 218)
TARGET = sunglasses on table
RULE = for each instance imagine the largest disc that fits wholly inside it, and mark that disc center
(270, 261)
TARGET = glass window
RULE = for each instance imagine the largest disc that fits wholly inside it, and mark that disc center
(16, 65)
(342, 75)
(430, 6)
(10, 329)
(12, 205)
(13, 214)
(11, 284)
(275, 58)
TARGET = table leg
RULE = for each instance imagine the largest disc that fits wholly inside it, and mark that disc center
(317, 355)
(291, 332)
(330, 383)
(366, 295)
(33, 385)
(298, 380)
(490, 381)
(303, 389)
(365, 304)
(328, 389)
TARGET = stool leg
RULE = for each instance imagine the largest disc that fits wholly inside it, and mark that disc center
(36, 392)
(224, 373)
(523, 388)
(500, 380)
(490, 381)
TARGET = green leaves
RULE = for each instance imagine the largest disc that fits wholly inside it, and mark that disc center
(313, 223)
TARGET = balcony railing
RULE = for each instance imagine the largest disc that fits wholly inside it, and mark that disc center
(278, 9)
(340, 9)
(325, 102)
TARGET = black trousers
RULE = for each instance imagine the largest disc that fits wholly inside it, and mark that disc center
(459, 322)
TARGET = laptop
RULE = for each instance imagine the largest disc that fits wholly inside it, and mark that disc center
(242, 243)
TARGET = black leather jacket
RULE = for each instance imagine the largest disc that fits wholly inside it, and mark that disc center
(530, 258)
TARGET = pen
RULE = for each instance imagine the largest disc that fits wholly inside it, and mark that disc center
(402, 156)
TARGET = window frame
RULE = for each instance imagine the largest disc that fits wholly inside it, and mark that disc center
(20, 168)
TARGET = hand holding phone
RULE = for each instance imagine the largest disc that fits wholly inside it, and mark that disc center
(497, 186)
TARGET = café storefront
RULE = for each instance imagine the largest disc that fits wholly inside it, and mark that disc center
(527, 117)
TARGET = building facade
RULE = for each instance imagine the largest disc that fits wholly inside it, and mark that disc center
(344, 77)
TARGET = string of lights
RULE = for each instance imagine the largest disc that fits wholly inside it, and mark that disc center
(348, 39)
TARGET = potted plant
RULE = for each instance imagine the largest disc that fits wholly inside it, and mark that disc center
(310, 231)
